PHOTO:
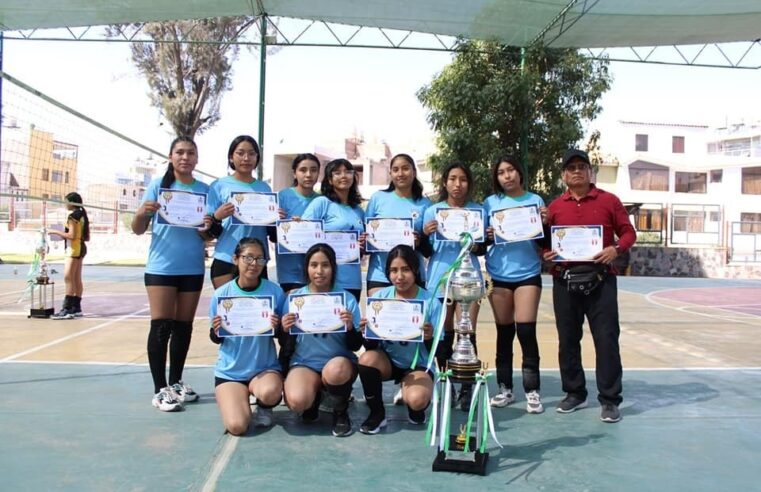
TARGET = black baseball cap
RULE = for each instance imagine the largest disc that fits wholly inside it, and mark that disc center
(572, 154)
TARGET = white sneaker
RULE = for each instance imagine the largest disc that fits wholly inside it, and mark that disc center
(503, 398)
(166, 400)
(534, 402)
(184, 392)
(398, 400)
(263, 417)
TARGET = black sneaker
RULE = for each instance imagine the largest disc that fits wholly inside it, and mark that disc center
(342, 424)
(415, 417)
(64, 313)
(570, 404)
(466, 395)
(373, 424)
(610, 413)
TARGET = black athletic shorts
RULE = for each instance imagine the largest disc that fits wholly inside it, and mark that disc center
(536, 281)
(398, 373)
(183, 283)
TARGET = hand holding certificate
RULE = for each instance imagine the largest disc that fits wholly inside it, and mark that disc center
(517, 224)
(245, 316)
(395, 319)
(452, 222)
(297, 236)
(317, 313)
(384, 233)
(181, 208)
(576, 243)
(252, 208)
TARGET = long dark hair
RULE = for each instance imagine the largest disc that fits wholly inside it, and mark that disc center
(299, 159)
(417, 186)
(237, 141)
(76, 199)
(327, 187)
(409, 256)
(247, 241)
(169, 177)
(329, 253)
(443, 194)
(510, 159)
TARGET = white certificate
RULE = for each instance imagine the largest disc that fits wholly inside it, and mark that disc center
(576, 243)
(253, 208)
(345, 244)
(245, 316)
(452, 222)
(395, 319)
(317, 313)
(384, 233)
(517, 224)
(181, 208)
(297, 236)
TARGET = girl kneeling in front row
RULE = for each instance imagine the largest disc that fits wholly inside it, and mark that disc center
(247, 365)
(385, 360)
(324, 360)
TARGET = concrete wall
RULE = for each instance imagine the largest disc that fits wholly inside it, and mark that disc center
(688, 262)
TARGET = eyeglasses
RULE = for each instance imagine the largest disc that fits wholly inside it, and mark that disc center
(345, 172)
(250, 260)
(242, 154)
(573, 168)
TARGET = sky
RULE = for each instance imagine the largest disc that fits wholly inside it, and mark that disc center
(318, 96)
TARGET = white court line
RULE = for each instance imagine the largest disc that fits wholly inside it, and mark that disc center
(69, 337)
(97, 363)
(685, 309)
(220, 463)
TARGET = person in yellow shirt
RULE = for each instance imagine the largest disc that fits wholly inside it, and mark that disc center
(76, 234)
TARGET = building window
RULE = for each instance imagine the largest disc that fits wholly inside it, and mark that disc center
(66, 177)
(691, 182)
(57, 176)
(134, 193)
(45, 196)
(677, 145)
(124, 191)
(717, 175)
(648, 176)
(640, 142)
(751, 181)
(46, 174)
(696, 224)
(751, 222)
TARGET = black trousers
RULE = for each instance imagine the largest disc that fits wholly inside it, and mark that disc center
(601, 310)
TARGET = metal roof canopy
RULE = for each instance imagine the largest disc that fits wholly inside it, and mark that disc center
(559, 23)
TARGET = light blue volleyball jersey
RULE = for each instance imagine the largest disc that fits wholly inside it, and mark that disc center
(242, 358)
(314, 351)
(219, 194)
(387, 204)
(290, 268)
(512, 262)
(402, 354)
(444, 252)
(338, 217)
(174, 250)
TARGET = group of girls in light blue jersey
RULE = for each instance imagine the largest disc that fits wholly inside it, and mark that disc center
(311, 369)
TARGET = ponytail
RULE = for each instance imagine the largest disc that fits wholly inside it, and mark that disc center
(169, 177)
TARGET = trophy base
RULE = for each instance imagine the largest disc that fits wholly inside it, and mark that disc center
(464, 372)
(41, 313)
(458, 461)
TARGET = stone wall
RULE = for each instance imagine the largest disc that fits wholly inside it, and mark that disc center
(651, 261)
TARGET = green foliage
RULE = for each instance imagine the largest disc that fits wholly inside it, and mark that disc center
(489, 95)
(187, 66)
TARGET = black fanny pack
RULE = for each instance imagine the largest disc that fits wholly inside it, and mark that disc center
(584, 279)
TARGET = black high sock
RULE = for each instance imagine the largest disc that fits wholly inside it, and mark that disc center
(444, 350)
(67, 302)
(261, 404)
(530, 348)
(179, 345)
(77, 304)
(158, 340)
(504, 362)
(340, 393)
(372, 385)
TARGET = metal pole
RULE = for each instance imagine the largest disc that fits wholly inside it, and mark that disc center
(2, 181)
(262, 87)
(524, 122)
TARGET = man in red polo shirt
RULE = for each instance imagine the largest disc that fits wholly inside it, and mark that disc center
(583, 204)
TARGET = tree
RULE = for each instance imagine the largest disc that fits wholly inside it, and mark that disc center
(187, 66)
(490, 96)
